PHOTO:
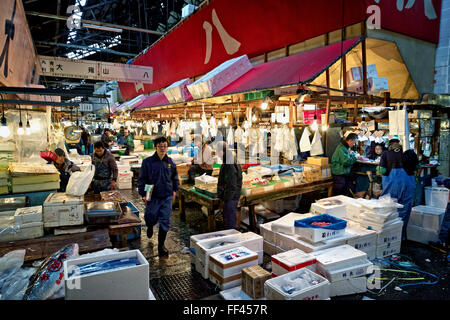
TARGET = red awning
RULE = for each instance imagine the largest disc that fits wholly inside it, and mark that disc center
(153, 100)
(303, 67)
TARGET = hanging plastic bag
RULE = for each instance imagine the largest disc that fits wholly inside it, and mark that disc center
(79, 181)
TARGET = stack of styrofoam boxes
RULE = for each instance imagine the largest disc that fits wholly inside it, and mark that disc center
(269, 246)
(286, 238)
(193, 241)
(125, 177)
(345, 268)
(24, 223)
(292, 260)
(382, 216)
(130, 160)
(425, 223)
(225, 267)
(365, 240)
(302, 284)
(129, 283)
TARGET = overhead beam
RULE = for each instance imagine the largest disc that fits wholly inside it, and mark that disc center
(41, 103)
(75, 46)
(98, 23)
(52, 92)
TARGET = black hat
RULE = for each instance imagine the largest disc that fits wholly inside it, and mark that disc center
(60, 152)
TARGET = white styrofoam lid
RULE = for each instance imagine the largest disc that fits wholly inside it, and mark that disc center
(427, 210)
(340, 254)
(28, 210)
(330, 203)
(62, 197)
(233, 255)
(250, 236)
(292, 257)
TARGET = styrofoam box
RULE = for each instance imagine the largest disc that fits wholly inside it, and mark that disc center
(422, 235)
(388, 249)
(376, 206)
(269, 248)
(349, 286)
(378, 218)
(131, 283)
(365, 239)
(201, 268)
(371, 253)
(231, 262)
(353, 211)
(343, 273)
(266, 232)
(286, 224)
(315, 235)
(193, 240)
(28, 214)
(382, 227)
(236, 293)
(192, 255)
(205, 250)
(292, 260)
(291, 242)
(320, 291)
(391, 234)
(24, 231)
(339, 257)
(60, 209)
(123, 167)
(252, 241)
(321, 207)
(427, 217)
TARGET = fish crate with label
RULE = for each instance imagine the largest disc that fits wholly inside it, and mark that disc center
(60, 209)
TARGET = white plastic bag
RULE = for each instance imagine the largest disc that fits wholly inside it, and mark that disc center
(79, 181)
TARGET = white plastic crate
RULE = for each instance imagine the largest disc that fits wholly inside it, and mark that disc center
(427, 217)
(292, 260)
(231, 262)
(388, 249)
(421, 235)
(320, 291)
(349, 286)
(436, 197)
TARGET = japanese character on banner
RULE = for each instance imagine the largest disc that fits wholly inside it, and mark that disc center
(430, 12)
(231, 45)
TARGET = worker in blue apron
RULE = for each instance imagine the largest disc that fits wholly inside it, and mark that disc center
(398, 179)
(106, 171)
(65, 168)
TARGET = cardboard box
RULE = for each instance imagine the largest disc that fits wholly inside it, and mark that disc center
(130, 283)
(320, 161)
(253, 279)
(60, 209)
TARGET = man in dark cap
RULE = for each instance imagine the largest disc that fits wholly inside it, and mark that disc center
(65, 168)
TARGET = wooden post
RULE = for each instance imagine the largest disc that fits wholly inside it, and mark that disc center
(364, 63)
(291, 113)
(344, 66)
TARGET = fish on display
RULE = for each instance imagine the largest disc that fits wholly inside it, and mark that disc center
(49, 278)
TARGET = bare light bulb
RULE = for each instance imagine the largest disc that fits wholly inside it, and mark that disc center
(264, 105)
(254, 118)
(4, 131)
(324, 127)
(20, 131)
(314, 125)
(225, 122)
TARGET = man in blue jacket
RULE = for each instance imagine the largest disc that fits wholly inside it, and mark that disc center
(160, 171)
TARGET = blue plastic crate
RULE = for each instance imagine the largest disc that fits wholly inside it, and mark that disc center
(336, 223)
(137, 234)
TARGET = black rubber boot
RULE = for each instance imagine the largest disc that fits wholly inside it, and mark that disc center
(162, 251)
(150, 232)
